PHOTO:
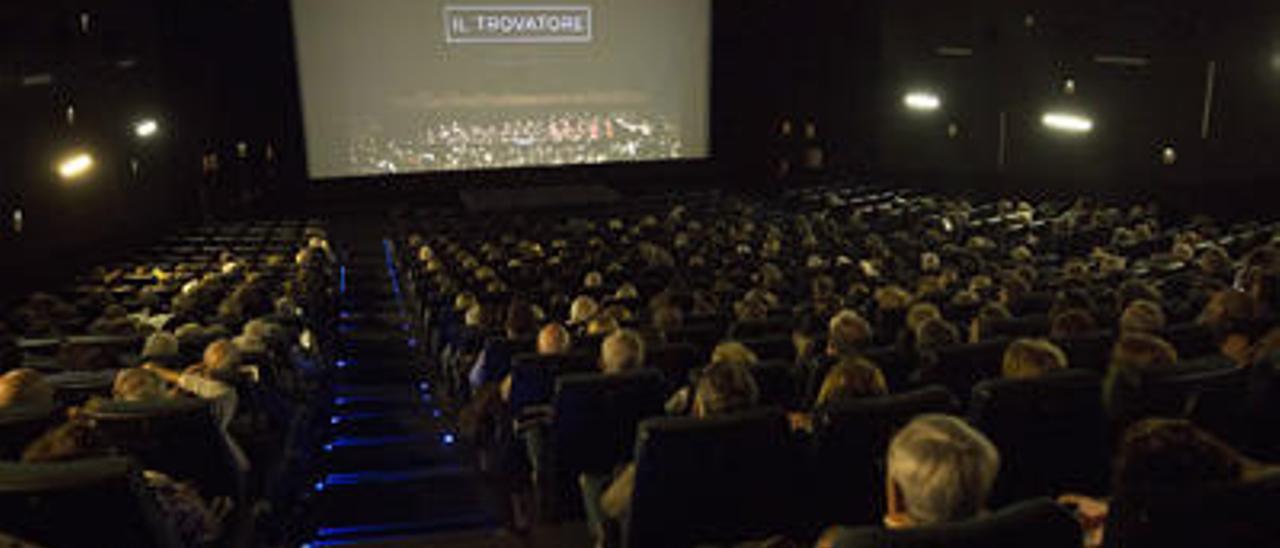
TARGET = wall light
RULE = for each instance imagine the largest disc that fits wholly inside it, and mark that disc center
(1066, 122)
(1169, 155)
(146, 128)
(922, 101)
(75, 166)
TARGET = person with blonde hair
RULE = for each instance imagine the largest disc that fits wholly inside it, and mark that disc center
(582, 310)
(1142, 316)
(734, 352)
(1134, 356)
(622, 351)
(847, 334)
(137, 385)
(1031, 358)
(850, 379)
(25, 390)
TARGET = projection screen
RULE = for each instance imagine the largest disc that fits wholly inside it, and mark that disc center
(403, 86)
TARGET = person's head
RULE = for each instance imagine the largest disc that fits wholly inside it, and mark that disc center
(1172, 455)
(553, 340)
(751, 310)
(921, 312)
(161, 345)
(622, 351)
(667, 318)
(850, 379)
(940, 469)
(72, 440)
(1142, 316)
(602, 325)
(1134, 290)
(221, 356)
(593, 280)
(847, 334)
(1214, 261)
(1072, 322)
(582, 310)
(935, 333)
(734, 352)
(25, 388)
(1032, 358)
(521, 321)
(1142, 352)
(1227, 311)
(137, 384)
(724, 388)
(892, 298)
(989, 314)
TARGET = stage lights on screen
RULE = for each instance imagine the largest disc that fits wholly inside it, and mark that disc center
(1067, 122)
(146, 128)
(922, 101)
(75, 166)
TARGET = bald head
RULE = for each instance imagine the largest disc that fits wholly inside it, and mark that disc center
(554, 339)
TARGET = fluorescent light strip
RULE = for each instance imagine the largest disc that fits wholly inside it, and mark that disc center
(954, 51)
(1070, 123)
(1122, 60)
(922, 101)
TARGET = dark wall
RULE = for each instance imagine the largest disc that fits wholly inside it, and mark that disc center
(1022, 53)
(212, 73)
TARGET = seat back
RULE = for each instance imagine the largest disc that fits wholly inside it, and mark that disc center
(1191, 339)
(1240, 514)
(1212, 396)
(1051, 432)
(850, 442)
(1036, 522)
(594, 428)
(179, 438)
(533, 377)
(18, 429)
(960, 367)
(777, 383)
(1090, 351)
(674, 361)
(43, 503)
(709, 480)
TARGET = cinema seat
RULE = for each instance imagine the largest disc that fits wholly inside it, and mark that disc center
(18, 429)
(674, 361)
(91, 502)
(850, 440)
(1038, 522)
(1051, 432)
(178, 437)
(713, 480)
(960, 367)
(1210, 397)
(776, 382)
(1241, 514)
(593, 430)
(533, 377)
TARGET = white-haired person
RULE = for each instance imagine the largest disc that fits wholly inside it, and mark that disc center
(940, 470)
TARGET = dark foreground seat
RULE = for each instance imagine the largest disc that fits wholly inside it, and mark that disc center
(713, 480)
(1228, 515)
(593, 430)
(1051, 432)
(91, 502)
(178, 438)
(1039, 522)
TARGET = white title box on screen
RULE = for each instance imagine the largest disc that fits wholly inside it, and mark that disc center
(518, 24)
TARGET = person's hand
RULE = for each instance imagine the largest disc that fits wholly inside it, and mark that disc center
(800, 422)
(1091, 513)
